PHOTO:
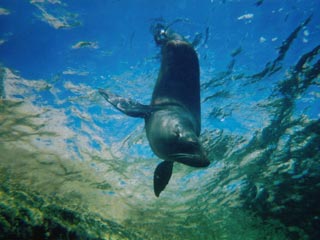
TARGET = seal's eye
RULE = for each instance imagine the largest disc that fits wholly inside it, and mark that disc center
(177, 132)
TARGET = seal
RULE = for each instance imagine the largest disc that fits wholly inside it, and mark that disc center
(173, 118)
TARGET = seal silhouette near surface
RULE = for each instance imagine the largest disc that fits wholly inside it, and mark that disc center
(173, 119)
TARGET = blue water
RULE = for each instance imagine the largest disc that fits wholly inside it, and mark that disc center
(60, 141)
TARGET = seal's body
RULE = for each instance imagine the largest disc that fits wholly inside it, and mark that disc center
(172, 120)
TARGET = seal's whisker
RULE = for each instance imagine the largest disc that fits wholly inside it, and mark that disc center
(183, 155)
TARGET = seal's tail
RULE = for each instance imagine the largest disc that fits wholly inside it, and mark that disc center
(159, 32)
(162, 34)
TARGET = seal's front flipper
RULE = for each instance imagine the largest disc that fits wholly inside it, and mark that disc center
(162, 176)
(126, 105)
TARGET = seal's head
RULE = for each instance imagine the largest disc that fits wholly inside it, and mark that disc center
(187, 147)
(191, 153)
(173, 136)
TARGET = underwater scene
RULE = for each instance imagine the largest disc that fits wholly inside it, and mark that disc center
(72, 166)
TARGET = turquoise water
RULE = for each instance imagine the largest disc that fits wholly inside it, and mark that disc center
(72, 167)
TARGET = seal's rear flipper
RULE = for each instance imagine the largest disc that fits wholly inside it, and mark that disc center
(162, 176)
(126, 105)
